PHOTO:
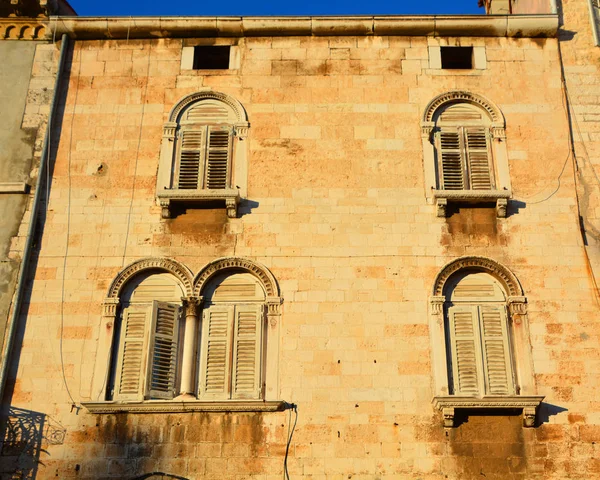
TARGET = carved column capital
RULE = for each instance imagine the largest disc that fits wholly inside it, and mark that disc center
(169, 130)
(274, 309)
(241, 131)
(437, 304)
(109, 307)
(191, 305)
(498, 133)
(427, 130)
(517, 307)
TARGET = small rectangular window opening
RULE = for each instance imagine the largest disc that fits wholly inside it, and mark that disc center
(211, 58)
(457, 58)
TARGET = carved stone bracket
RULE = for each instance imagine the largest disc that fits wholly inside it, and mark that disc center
(441, 207)
(501, 207)
(168, 197)
(442, 197)
(449, 404)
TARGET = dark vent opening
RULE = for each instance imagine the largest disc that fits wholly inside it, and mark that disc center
(460, 58)
(211, 58)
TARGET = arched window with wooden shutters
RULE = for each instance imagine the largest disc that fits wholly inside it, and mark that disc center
(203, 153)
(465, 153)
(145, 360)
(204, 146)
(231, 351)
(463, 150)
(478, 337)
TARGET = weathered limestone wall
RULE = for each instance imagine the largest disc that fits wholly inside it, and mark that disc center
(337, 211)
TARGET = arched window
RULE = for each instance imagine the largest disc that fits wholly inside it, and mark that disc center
(203, 156)
(233, 321)
(145, 353)
(464, 145)
(480, 338)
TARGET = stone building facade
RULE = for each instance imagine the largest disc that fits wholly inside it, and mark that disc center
(351, 226)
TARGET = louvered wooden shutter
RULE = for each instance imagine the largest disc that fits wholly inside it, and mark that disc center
(216, 346)
(132, 353)
(218, 157)
(451, 160)
(496, 351)
(466, 354)
(163, 354)
(478, 153)
(191, 152)
(246, 351)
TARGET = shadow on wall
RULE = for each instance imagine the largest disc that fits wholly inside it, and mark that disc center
(24, 435)
(159, 476)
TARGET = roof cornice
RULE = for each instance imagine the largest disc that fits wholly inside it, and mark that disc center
(401, 25)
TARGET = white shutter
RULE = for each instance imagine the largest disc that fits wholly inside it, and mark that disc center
(478, 158)
(132, 353)
(466, 356)
(246, 379)
(218, 156)
(496, 351)
(191, 152)
(216, 352)
(162, 366)
(450, 158)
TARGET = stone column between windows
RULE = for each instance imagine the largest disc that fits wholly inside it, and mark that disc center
(191, 308)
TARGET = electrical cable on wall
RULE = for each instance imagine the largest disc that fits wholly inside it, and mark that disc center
(294, 407)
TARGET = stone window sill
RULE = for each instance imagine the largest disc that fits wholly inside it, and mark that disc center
(231, 197)
(449, 403)
(174, 406)
(443, 197)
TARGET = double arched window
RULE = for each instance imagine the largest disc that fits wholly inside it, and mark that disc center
(176, 337)
(464, 148)
(203, 154)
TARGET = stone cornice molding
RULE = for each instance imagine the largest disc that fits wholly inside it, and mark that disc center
(174, 406)
(223, 264)
(188, 100)
(533, 26)
(455, 96)
(499, 271)
(153, 263)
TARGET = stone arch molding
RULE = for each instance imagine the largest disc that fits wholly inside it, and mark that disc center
(463, 96)
(222, 264)
(181, 272)
(181, 105)
(503, 274)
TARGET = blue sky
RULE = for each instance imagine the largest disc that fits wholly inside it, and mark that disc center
(272, 7)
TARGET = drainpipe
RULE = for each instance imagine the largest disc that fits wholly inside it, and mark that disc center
(12, 328)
